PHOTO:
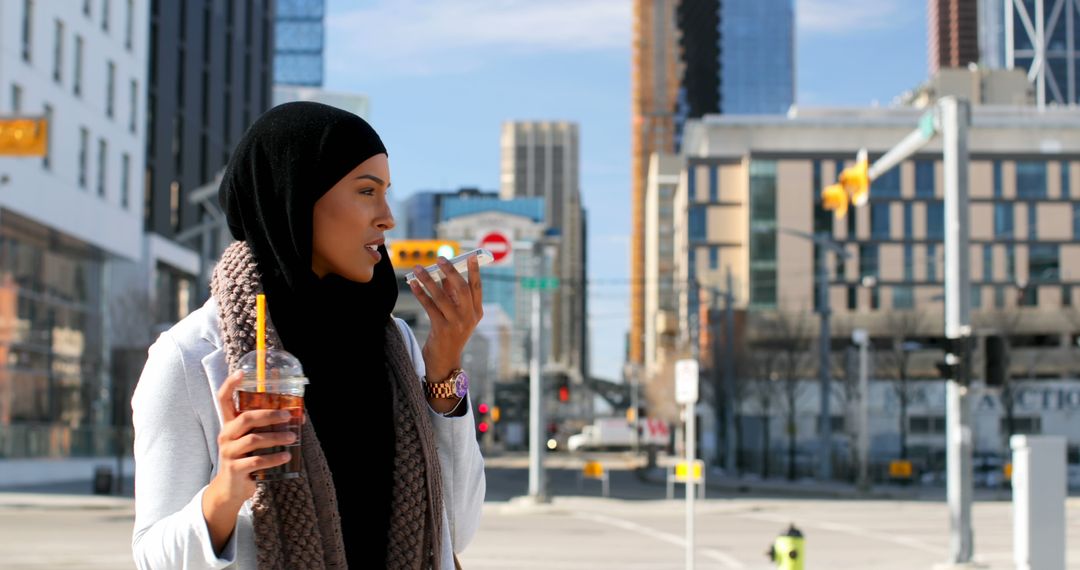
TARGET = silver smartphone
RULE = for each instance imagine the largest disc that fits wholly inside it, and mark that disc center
(461, 263)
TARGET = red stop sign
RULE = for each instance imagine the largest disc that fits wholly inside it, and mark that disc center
(497, 244)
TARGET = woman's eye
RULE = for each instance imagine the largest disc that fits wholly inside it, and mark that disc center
(368, 191)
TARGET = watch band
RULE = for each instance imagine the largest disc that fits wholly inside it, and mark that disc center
(443, 389)
(454, 411)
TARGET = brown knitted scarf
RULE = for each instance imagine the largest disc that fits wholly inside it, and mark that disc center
(297, 525)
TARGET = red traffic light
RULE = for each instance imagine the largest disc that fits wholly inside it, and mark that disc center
(564, 394)
(482, 408)
(483, 427)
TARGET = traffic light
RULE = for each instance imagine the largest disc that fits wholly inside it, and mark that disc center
(409, 252)
(483, 421)
(994, 360)
(564, 394)
(853, 187)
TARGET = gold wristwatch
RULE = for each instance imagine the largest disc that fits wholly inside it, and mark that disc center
(456, 385)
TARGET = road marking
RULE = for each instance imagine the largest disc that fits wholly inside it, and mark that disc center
(726, 560)
(848, 529)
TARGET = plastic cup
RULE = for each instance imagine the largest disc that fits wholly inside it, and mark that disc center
(282, 389)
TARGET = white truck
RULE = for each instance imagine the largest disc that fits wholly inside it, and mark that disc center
(611, 434)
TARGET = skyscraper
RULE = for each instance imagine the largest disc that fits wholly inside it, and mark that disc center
(210, 77)
(654, 86)
(694, 58)
(540, 160)
(1037, 31)
(298, 42)
(953, 34)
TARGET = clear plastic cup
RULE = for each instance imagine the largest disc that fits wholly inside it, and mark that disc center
(283, 389)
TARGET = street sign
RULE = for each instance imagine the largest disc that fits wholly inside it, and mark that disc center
(542, 283)
(498, 245)
(24, 137)
(686, 381)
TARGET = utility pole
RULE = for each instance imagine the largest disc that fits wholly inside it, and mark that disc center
(951, 118)
(730, 464)
(537, 484)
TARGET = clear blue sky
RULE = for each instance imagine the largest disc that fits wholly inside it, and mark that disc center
(443, 75)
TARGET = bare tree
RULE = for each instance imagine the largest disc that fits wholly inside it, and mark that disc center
(764, 393)
(792, 332)
(903, 326)
(841, 367)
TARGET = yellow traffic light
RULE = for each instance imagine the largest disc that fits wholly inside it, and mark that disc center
(409, 252)
(24, 137)
(856, 180)
(495, 414)
(835, 198)
(631, 415)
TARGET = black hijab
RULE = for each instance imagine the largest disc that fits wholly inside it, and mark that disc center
(289, 158)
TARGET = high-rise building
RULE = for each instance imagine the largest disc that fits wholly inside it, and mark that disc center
(422, 211)
(655, 86)
(953, 34)
(540, 160)
(1041, 37)
(298, 42)
(69, 222)
(211, 76)
(694, 58)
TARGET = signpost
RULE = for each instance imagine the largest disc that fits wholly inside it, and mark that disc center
(686, 393)
(499, 246)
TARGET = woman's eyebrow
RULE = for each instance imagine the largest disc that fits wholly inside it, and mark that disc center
(373, 177)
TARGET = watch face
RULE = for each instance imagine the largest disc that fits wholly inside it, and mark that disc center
(461, 384)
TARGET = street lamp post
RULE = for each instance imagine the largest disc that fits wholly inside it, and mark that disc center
(824, 343)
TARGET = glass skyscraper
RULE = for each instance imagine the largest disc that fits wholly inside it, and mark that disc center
(298, 42)
(757, 56)
(1045, 29)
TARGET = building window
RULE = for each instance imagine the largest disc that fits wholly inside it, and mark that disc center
(888, 184)
(1031, 180)
(924, 179)
(763, 233)
(46, 161)
(988, 263)
(133, 108)
(823, 219)
(976, 297)
(105, 15)
(16, 98)
(714, 257)
(86, 7)
(714, 183)
(1043, 263)
(852, 297)
(58, 52)
(868, 260)
(77, 79)
(931, 263)
(1066, 296)
(1066, 191)
(880, 220)
(909, 222)
(926, 425)
(1003, 220)
(1029, 425)
(691, 182)
(1033, 222)
(129, 24)
(999, 297)
(998, 192)
(125, 181)
(84, 144)
(1076, 221)
(174, 205)
(27, 29)
(903, 297)
(1010, 263)
(909, 261)
(697, 222)
(110, 89)
(935, 220)
(103, 161)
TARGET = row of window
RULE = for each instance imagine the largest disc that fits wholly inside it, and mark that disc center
(28, 24)
(101, 182)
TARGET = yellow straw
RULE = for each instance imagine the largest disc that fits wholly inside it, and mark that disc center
(260, 332)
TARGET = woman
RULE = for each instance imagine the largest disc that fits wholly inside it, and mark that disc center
(393, 476)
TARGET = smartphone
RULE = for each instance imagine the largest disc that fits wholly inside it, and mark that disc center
(461, 263)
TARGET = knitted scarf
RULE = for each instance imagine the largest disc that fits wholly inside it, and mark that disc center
(297, 525)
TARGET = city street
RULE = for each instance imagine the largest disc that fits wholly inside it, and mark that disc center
(636, 528)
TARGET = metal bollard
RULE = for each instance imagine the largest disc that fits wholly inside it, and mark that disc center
(789, 550)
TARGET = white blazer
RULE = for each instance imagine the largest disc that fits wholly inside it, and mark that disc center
(176, 419)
